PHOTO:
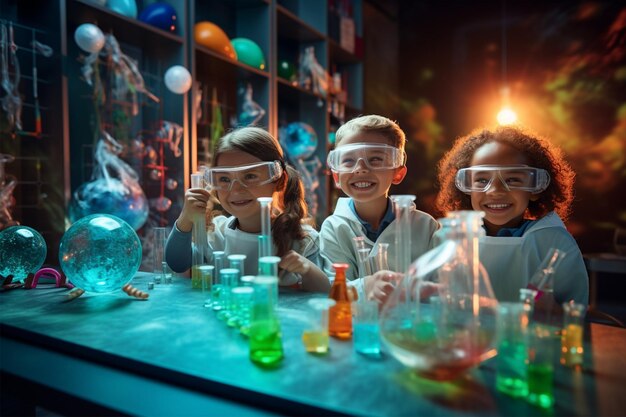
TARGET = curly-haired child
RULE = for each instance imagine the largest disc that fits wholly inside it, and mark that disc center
(525, 187)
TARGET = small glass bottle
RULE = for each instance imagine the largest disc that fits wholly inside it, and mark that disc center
(572, 334)
(216, 288)
(340, 315)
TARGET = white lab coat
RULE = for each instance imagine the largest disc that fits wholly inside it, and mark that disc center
(511, 261)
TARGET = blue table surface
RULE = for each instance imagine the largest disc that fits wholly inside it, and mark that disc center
(172, 332)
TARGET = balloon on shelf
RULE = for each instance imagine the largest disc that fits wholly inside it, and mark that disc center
(298, 139)
(249, 52)
(100, 253)
(210, 35)
(127, 8)
(161, 15)
(286, 70)
(177, 79)
(22, 251)
(89, 37)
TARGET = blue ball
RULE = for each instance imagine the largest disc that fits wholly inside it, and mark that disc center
(160, 15)
(298, 139)
(110, 196)
(22, 251)
(100, 253)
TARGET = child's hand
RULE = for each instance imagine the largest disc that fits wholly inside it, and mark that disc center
(196, 201)
(379, 286)
(295, 263)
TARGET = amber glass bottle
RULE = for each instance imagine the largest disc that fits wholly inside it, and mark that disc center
(340, 315)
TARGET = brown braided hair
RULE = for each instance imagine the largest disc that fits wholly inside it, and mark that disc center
(289, 207)
(538, 150)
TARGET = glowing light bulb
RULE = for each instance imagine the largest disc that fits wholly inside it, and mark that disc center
(506, 116)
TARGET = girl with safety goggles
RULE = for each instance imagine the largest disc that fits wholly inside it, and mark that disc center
(248, 164)
(525, 187)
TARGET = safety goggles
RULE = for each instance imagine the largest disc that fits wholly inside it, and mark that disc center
(251, 175)
(375, 157)
(514, 177)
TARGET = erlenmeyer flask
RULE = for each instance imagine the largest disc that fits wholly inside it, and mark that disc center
(442, 321)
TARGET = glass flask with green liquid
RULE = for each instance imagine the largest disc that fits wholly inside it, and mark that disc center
(265, 338)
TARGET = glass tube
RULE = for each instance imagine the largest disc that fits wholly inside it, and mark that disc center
(216, 289)
(158, 250)
(402, 207)
(266, 346)
(199, 238)
(266, 226)
(237, 261)
(363, 253)
(206, 272)
(228, 281)
(381, 257)
(572, 334)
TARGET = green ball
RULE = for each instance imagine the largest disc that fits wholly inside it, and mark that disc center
(249, 52)
(286, 69)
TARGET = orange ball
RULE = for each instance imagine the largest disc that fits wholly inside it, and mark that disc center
(213, 37)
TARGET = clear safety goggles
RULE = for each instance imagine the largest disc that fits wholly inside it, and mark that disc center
(251, 175)
(375, 157)
(514, 177)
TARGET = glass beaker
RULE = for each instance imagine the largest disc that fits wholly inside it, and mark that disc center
(315, 337)
(365, 327)
(199, 237)
(512, 358)
(266, 347)
(463, 332)
(265, 240)
(340, 315)
(159, 237)
(572, 334)
(216, 289)
(206, 277)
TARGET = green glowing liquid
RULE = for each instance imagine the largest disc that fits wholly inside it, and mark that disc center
(196, 278)
(540, 381)
(266, 347)
(511, 369)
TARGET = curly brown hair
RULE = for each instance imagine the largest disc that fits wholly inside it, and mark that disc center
(539, 151)
(289, 209)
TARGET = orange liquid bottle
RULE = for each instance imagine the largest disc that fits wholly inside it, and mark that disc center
(340, 315)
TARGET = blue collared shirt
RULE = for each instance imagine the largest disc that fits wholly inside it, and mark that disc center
(369, 230)
(515, 231)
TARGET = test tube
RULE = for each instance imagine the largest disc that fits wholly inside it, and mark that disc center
(572, 334)
(199, 237)
(228, 279)
(237, 261)
(247, 280)
(216, 289)
(167, 277)
(158, 250)
(363, 252)
(511, 367)
(266, 226)
(402, 207)
(268, 266)
(527, 297)
(381, 257)
(240, 314)
(206, 277)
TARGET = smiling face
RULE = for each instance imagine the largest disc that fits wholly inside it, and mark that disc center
(365, 185)
(503, 209)
(241, 201)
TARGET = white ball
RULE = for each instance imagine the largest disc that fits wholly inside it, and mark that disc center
(178, 79)
(89, 37)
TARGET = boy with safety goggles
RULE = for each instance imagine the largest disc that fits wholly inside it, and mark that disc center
(367, 160)
(525, 187)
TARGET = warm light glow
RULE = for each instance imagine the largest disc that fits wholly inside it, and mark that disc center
(506, 116)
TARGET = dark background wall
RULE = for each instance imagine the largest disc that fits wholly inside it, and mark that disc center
(438, 67)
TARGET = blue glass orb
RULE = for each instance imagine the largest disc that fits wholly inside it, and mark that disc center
(100, 253)
(160, 15)
(110, 196)
(22, 251)
(298, 139)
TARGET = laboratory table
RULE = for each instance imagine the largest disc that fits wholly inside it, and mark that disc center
(171, 356)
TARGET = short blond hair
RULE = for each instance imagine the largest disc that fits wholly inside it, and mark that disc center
(373, 123)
